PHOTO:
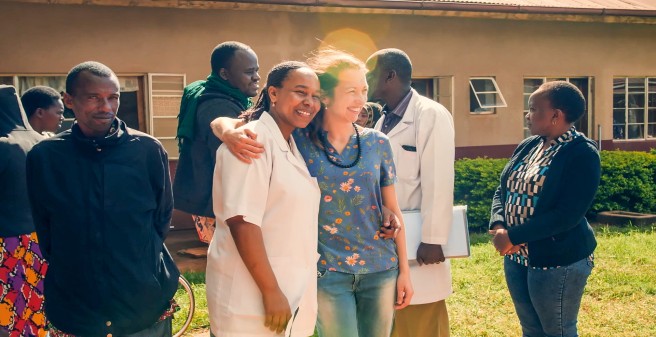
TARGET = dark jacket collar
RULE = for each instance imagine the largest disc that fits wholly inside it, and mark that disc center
(117, 134)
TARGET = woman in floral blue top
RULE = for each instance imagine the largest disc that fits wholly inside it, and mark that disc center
(359, 274)
(362, 278)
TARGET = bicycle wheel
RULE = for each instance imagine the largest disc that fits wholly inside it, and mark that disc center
(185, 299)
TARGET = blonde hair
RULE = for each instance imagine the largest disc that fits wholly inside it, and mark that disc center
(328, 63)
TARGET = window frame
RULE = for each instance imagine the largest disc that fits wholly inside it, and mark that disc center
(489, 109)
(152, 114)
(449, 79)
(645, 109)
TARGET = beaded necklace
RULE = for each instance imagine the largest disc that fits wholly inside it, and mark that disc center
(330, 157)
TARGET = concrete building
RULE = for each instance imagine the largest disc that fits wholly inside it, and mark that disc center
(481, 59)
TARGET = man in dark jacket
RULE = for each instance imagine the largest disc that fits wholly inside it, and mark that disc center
(101, 202)
(226, 93)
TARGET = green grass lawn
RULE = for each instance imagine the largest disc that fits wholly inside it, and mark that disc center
(620, 299)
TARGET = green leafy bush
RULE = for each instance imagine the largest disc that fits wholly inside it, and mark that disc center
(475, 183)
(628, 183)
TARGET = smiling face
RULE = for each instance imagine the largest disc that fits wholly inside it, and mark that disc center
(349, 96)
(242, 72)
(95, 102)
(297, 101)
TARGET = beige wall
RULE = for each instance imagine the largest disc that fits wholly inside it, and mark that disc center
(53, 38)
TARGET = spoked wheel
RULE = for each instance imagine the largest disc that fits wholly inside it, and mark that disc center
(185, 299)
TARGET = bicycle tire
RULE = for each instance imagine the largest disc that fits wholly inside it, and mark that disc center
(192, 305)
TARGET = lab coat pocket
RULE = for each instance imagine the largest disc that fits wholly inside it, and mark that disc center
(410, 167)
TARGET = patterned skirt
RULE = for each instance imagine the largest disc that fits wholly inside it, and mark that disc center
(22, 269)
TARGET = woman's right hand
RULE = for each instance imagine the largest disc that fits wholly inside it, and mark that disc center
(242, 144)
(276, 310)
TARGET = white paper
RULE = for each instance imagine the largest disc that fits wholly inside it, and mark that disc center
(458, 242)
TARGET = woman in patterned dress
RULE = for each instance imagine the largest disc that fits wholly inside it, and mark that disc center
(22, 266)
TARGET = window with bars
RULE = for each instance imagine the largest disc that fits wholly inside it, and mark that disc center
(485, 96)
(164, 104)
(634, 108)
(439, 89)
(531, 84)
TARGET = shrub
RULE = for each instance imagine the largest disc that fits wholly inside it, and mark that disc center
(628, 183)
(475, 183)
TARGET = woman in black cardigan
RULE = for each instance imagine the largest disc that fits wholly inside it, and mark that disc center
(538, 214)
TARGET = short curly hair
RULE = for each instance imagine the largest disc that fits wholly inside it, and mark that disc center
(566, 97)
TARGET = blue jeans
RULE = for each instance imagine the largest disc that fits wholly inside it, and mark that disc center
(547, 301)
(356, 305)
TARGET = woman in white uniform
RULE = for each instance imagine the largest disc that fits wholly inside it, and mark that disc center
(261, 264)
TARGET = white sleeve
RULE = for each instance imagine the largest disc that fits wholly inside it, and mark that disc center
(436, 148)
(240, 188)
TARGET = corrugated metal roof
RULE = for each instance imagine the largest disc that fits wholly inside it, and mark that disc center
(583, 4)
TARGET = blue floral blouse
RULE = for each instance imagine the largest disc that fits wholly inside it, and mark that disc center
(350, 212)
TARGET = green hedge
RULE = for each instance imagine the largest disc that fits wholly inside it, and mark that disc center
(475, 183)
(628, 183)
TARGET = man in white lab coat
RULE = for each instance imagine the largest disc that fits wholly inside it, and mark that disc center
(422, 137)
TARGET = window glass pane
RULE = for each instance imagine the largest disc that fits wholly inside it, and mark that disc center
(551, 79)
(474, 107)
(56, 82)
(636, 100)
(652, 116)
(424, 87)
(636, 84)
(619, 85)
(652, 84)
(532, 84)
(7, 80)
(619, 116)
(580, 82)
(487, 100)
(651, 131)
(652, 101)
(526, 97)
(636, 116)
(619, 101)
(527, 133)
(618, 132)
(636, 131)
(482, 85)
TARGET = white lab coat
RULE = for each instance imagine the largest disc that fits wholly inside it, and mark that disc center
(277, 193)
(425, 182)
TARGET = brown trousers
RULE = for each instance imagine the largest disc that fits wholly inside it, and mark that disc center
(422, 320)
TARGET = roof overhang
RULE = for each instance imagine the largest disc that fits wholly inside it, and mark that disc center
(397, 7)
